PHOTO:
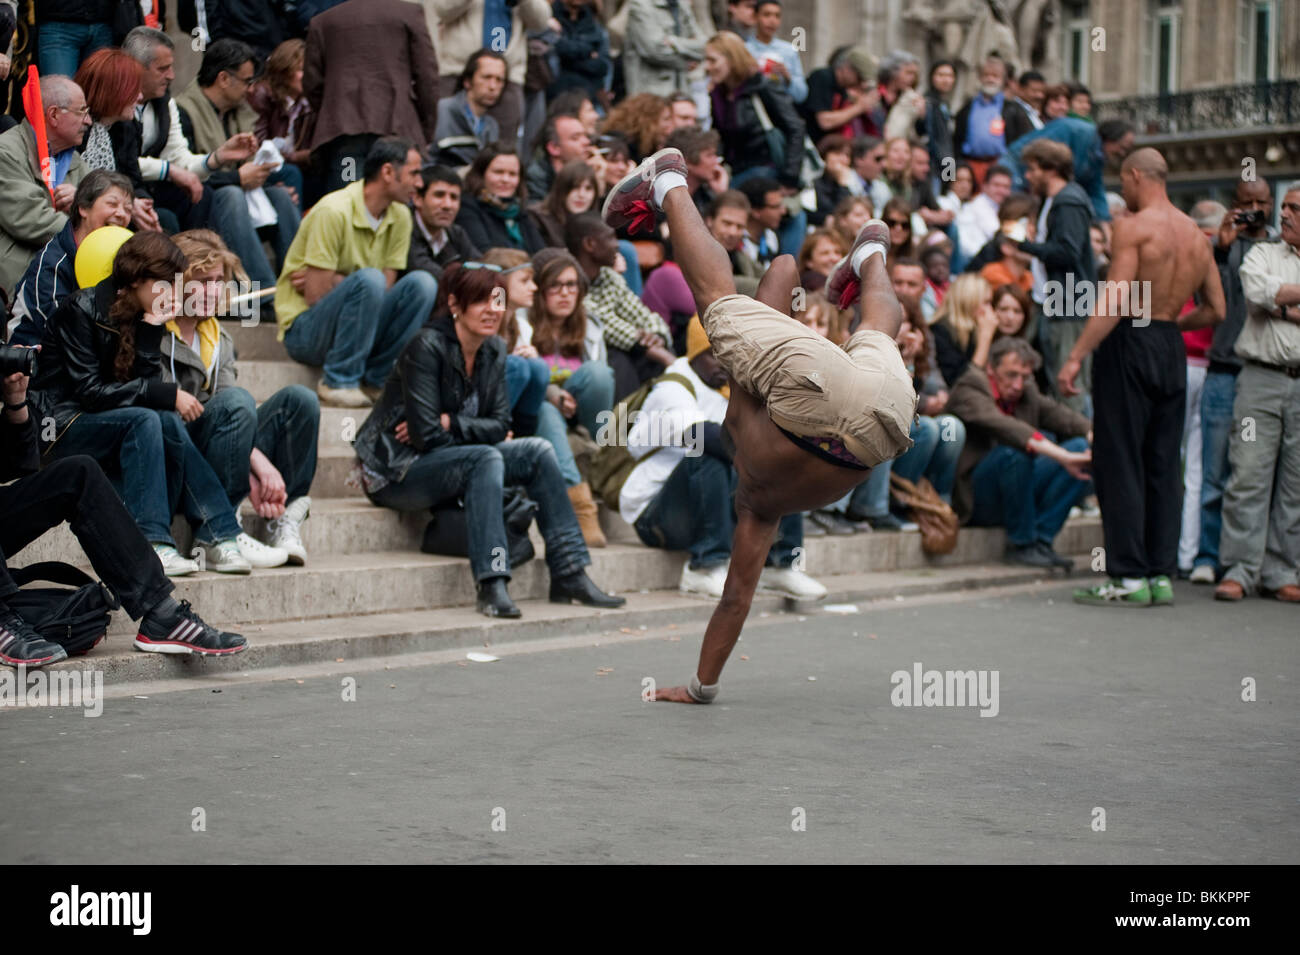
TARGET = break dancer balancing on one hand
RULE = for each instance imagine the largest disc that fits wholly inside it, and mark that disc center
(807, 418)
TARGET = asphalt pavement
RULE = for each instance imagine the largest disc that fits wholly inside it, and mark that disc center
(1119, 736)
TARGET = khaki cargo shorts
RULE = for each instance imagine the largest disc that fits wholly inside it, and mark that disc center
(860, 394)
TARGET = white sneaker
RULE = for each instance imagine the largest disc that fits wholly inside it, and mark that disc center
(257, 554)
(703, 583)
(342, 397)
(285, 532)
(1202, 574)
(224, 557)
(173, 564)
(790, 583)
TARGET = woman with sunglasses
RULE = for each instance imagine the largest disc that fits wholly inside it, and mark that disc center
(898, 216)
(491, 209)
(440, 431)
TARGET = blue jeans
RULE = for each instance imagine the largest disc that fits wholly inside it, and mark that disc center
(592, 386)
(357, 331)
(552, 426)
(160, 471)
(479, 474)
(62, 46)
(231, 220)
(794, 228)
(937, 446)
(1029, 495)
(871, 497)
(1217, 424)
(633, 274)
(693, 512)
(526, 381)
(285, 429)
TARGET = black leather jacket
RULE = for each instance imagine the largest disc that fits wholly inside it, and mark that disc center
(430, 379)
(75, 370)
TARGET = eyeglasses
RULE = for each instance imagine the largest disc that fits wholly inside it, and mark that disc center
(563, 287)
(899, 223)
(243, 80)
(83, 112)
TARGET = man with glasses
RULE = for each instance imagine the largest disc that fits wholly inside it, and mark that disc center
(1011, 474)
(30, 215)
(212, 110)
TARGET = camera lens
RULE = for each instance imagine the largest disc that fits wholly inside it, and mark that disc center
(17, 360)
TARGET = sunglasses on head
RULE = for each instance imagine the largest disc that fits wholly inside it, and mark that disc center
(483, 265)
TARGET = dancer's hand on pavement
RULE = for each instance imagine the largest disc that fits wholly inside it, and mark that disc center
(673, 694)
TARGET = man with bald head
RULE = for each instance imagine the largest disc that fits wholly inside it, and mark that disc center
(1139, 382)
(29, 215)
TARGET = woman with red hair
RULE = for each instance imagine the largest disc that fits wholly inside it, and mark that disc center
(110, 78)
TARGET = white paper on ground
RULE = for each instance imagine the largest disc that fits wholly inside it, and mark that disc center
(478, 657)
(840, 608)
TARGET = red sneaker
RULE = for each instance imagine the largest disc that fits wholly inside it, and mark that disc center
(630, 204)
(844, 286)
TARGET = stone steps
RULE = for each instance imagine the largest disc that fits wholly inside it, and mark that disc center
(367, 589)
(347, 641)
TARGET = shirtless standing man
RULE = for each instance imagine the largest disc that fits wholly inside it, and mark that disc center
(1139, 384)
(806, 417)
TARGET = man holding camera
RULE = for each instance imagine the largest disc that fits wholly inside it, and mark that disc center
(75, 489)
(1260, 543)
(1245, 224)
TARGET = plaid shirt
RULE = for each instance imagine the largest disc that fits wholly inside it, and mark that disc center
(624, 316)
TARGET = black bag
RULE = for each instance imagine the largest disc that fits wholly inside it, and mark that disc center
(127, 15)
(448, 535)
(75, 619)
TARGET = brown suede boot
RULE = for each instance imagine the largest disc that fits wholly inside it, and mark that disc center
(585, 508)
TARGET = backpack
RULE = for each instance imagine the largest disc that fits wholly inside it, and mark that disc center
(447, 534)
(75, 619)
(613, 462)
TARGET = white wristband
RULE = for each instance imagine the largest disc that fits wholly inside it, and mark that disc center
(700, 693)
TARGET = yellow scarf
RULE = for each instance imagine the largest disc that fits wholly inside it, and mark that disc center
(209, 334)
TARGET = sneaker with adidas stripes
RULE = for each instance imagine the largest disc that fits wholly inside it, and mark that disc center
(179, 629)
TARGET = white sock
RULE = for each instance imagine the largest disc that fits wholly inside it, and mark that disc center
(665, 181)
(1133, 583)
(864, 252)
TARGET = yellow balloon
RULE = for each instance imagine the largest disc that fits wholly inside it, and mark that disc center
(96, 253)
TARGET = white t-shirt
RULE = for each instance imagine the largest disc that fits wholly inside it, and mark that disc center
(669, 410)
(1036, 267)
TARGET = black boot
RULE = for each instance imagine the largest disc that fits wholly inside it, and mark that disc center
(494, 601)
(578, 586)
(1060, 560)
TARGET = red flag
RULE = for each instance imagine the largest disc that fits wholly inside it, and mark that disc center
(35, 111)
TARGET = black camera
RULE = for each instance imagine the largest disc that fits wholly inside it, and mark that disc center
(15, 360)
(1252, 219)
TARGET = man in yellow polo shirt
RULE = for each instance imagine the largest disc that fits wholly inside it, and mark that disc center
(339, 303)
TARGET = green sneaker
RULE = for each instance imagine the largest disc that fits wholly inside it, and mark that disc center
(1162, 591)
(1113, 593)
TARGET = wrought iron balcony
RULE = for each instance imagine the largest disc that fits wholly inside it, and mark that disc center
(1224, 108)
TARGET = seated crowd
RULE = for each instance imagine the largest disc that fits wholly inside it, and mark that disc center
(431, 242)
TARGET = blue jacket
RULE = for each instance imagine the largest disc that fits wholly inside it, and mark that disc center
(1089, 160)
(50, 278)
